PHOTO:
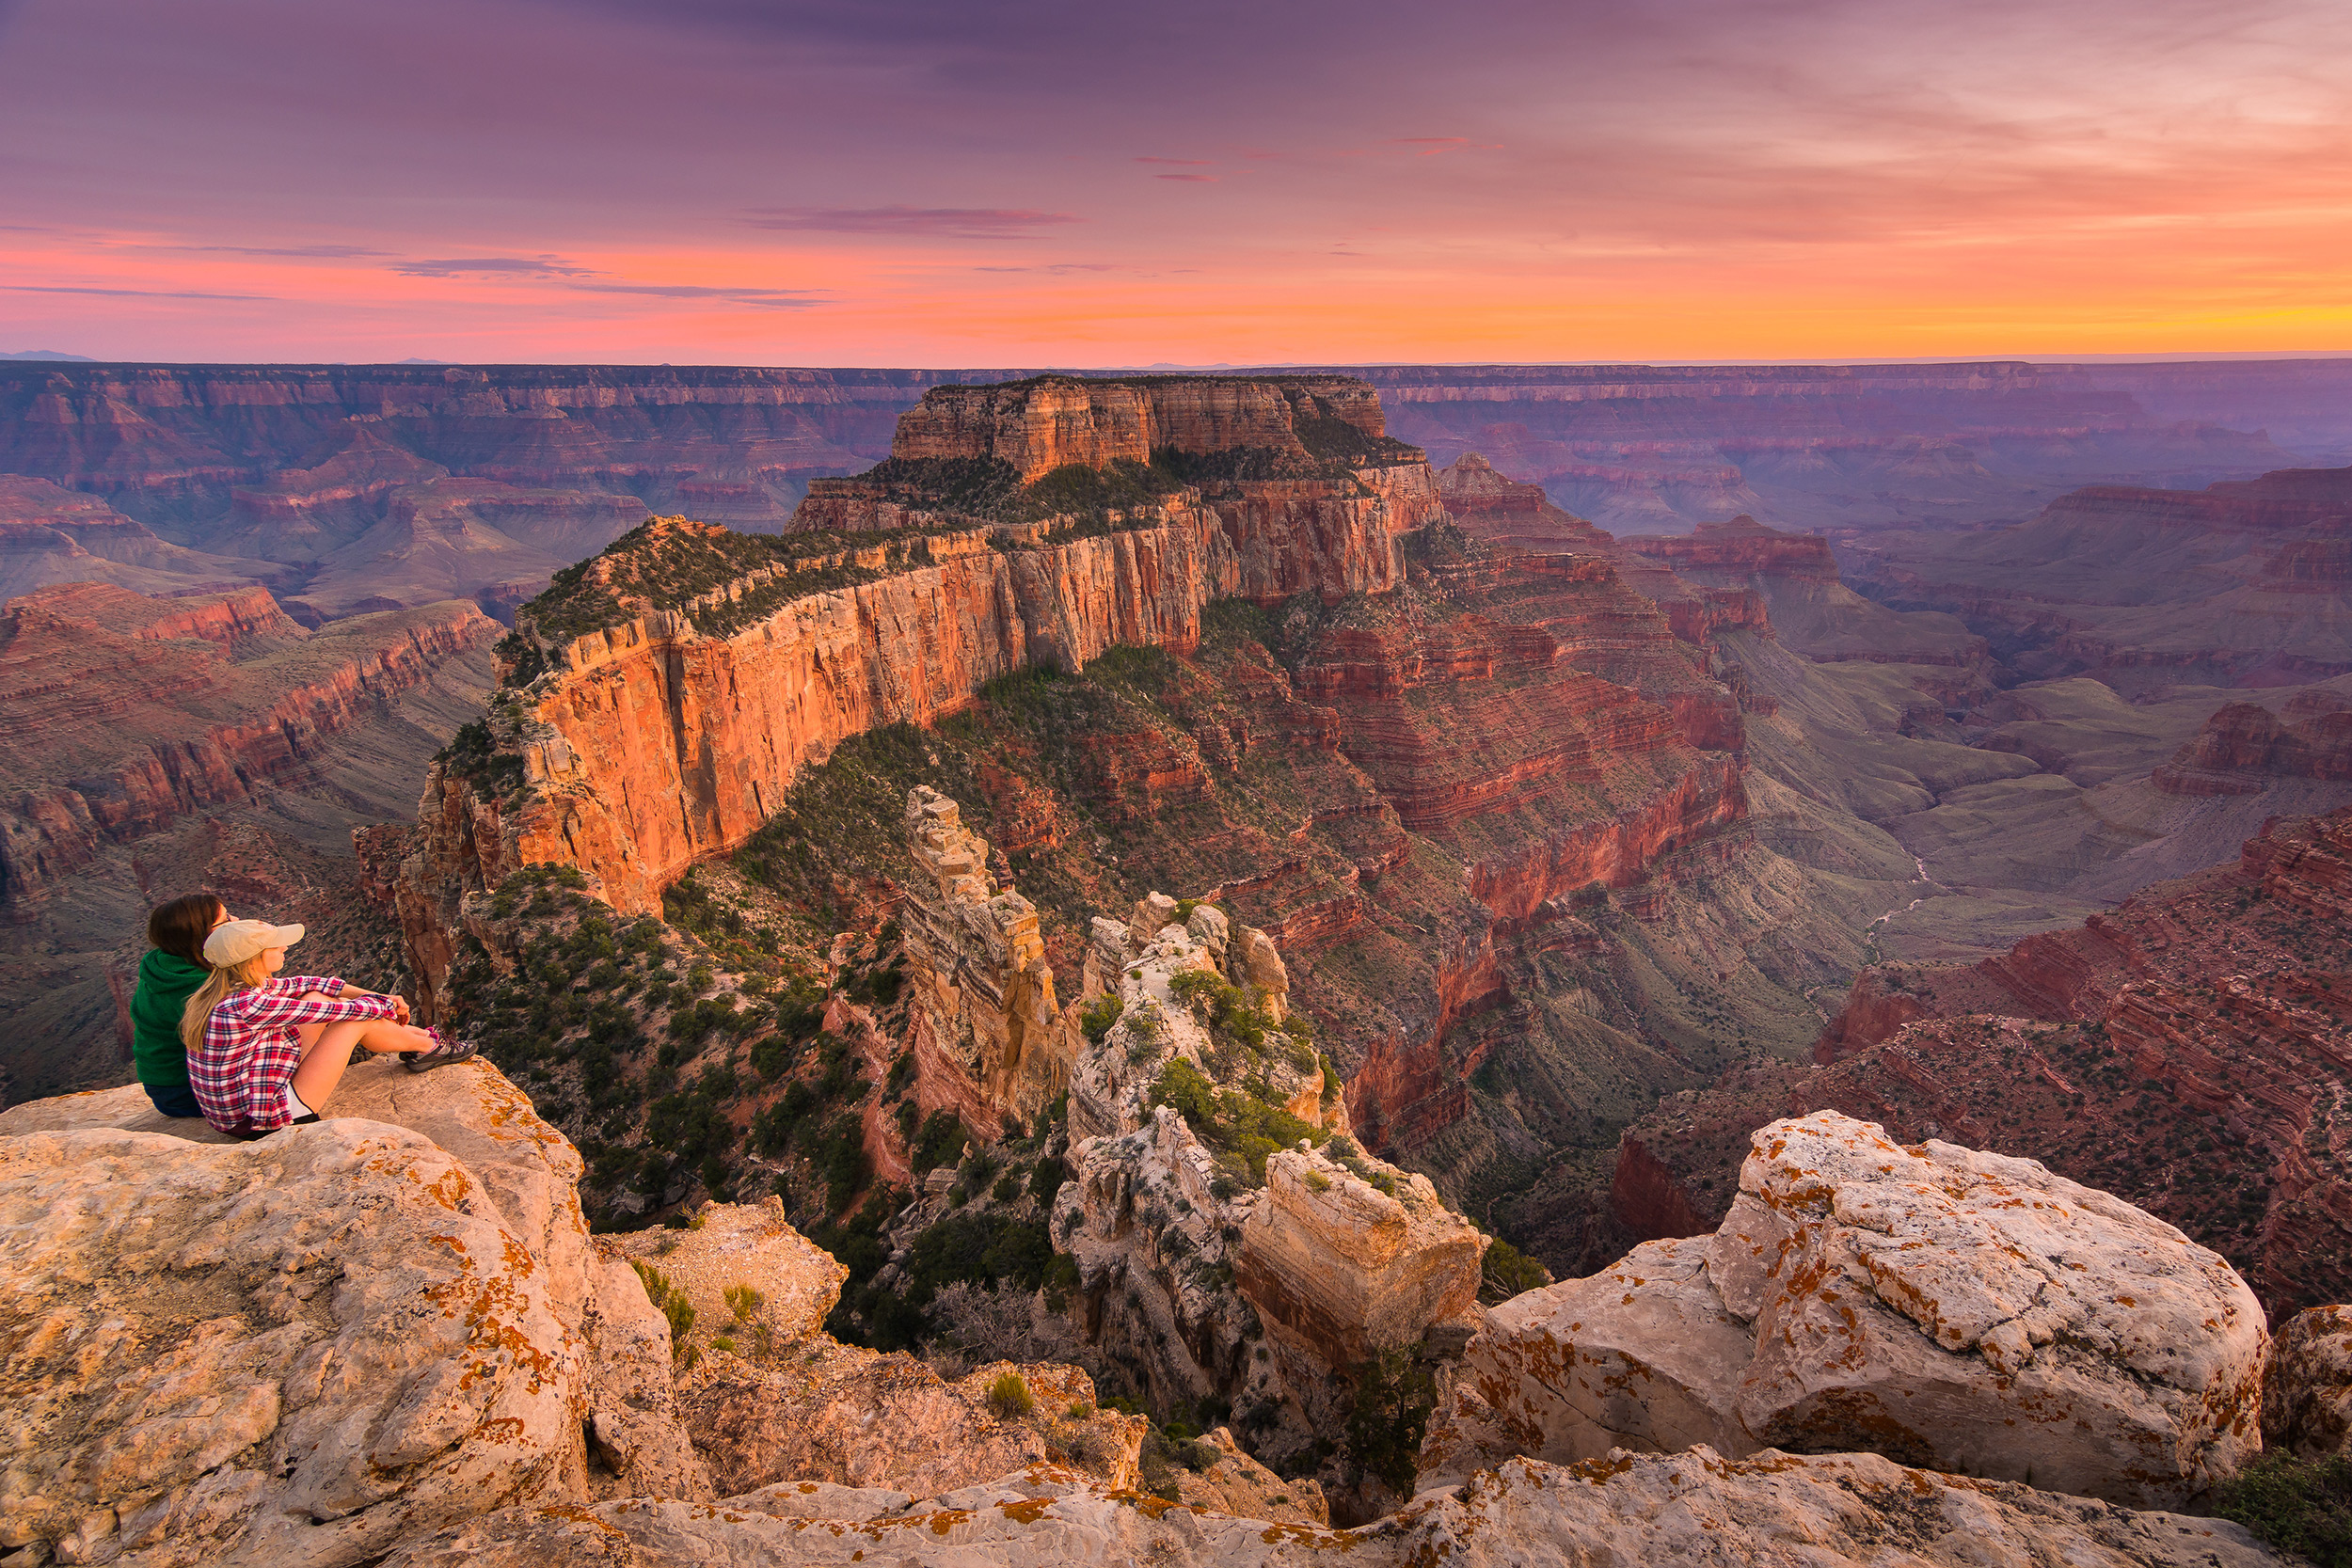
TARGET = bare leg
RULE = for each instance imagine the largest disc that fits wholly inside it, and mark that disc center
(326, 1050)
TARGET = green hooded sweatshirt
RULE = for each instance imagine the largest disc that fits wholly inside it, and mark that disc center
(165, 983)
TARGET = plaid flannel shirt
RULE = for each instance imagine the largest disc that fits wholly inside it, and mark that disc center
(250, 1049)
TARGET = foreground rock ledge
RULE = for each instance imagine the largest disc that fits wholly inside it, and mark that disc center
(1696, 1507)
(348, 1344)
(300, 1351)
(1964, 1311)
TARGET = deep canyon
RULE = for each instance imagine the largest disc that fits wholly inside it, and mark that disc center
(1245, 863)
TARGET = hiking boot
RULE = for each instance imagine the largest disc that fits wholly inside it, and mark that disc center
(440, 1056)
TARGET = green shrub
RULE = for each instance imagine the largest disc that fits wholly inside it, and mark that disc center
(1047, 1179)
(672, 1303)
(1009, 1396)
(977, 1249)
(1096, 1018)
(744, 1302)
(2296, 1505)
(843, 1159)
(1230, 1121)
(1506, 1272)
(937, 1143)
(1394, 1395)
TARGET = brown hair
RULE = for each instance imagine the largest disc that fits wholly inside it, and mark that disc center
(220, 984)
(181, 927)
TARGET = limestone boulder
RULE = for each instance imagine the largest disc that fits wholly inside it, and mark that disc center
(796, 1281)
(297, 1351)
(854, 1418)
(1965, 1312)
(2307, 1387)
(1237, 1484)
(1340, 1269)
(526, 1171)
(637, 1447)
(1773, 1511)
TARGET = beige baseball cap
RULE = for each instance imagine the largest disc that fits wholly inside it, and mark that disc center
(240, 940)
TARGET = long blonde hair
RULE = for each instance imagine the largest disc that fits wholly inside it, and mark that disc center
(218, 987)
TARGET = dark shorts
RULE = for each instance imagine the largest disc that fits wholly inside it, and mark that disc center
(173, 1099)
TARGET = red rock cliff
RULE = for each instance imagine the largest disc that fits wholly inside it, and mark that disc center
(1041, 425)
(651, 745)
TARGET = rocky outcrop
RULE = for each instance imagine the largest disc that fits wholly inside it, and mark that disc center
(205, 1374)
(1517, 517)
(991, 1037)
(2307, 1386)
(1339, 1268)
(1742, 546)
(735, 1246)
(353, 1342)
(1190, 1255)
(1773, 1510)
(833, 1414)
(2243, 747)
(1232, 1482)
(1038, 426)
(125, 713)
(1939, 1306)
(270, 1392)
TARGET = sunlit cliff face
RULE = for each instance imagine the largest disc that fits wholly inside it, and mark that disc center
(1048, 182)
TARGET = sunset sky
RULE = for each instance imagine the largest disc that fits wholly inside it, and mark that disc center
(954, 182)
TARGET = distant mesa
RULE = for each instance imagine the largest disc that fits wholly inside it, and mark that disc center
(50, 354)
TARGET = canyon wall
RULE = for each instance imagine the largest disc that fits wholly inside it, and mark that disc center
(1042, 426)
(2240, 584)
(125, 714)
(651, 745)
(2186, 1051)
(1861, 447)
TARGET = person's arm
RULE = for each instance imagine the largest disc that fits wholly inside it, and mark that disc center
(344, 988)
(267, 1005)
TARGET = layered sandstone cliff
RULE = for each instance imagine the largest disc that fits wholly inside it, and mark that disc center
(1038, 426)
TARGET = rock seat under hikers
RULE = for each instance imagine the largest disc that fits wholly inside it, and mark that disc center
(1946, 1307)
(304, 1349)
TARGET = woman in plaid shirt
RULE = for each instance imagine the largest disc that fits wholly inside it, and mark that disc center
(265, 1050)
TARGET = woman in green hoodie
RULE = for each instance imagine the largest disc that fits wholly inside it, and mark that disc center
(168, 975)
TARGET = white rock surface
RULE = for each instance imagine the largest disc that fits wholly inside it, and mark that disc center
(1775, 1511)
(297, 1351)
(1940, 1306)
